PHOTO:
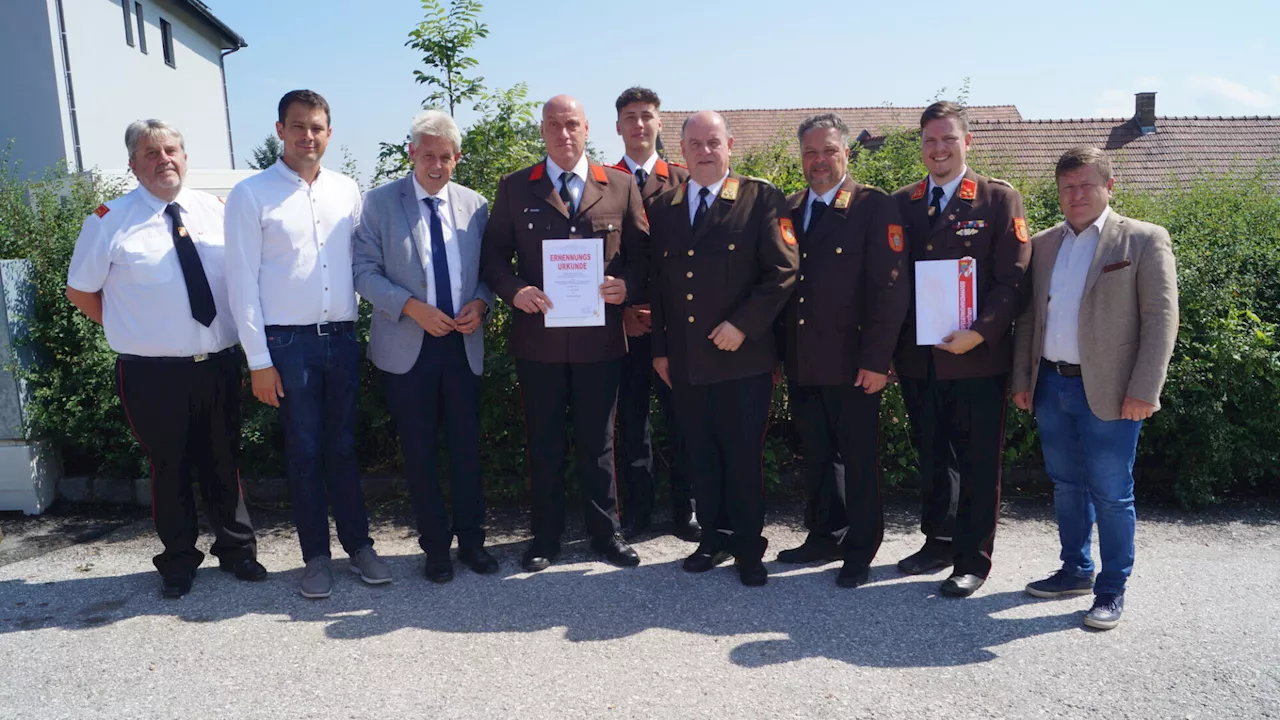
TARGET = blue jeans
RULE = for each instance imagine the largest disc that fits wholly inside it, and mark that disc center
(1091, 463)
(321, 379)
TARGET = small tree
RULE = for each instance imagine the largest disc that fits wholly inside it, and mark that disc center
(266, 154)
(443, 38)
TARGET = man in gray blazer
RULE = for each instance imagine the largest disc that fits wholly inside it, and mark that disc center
(1091, 354)
(417, 261)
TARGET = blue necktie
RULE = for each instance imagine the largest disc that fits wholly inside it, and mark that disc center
(439, 261)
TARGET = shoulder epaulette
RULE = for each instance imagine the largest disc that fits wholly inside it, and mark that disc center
(752, 178)
(599, 173)
(101, 210)
(876, 189)
(998, 181)
(537, 171)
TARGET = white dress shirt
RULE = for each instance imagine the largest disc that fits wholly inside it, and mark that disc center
(695, 189)
(451, 253)
(825, 197)
(947, 190)
(648, 164)
(1066, 288)
(289, 253)
(576, 183)
(128, 254)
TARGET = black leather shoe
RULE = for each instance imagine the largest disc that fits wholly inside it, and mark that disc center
(961, 585)
(175, 586)
(851, 576)
(478, 559)
(439, 569)
(929, 559)
(813, 550)
(687, 527)
(752, 573)
(633, 527)
(537, 559)
(703, 559)
(246, 569)
(616, 550)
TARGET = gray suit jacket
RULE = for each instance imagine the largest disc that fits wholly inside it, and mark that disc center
(390, 245)
(1128, 314)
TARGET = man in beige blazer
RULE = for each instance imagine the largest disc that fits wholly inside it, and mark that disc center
(1091, 354)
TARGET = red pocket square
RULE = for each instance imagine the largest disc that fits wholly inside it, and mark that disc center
(1116, 266)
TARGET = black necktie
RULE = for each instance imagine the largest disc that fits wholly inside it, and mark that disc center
(565, 177)
(935, 207)
(702, 207)
(815, 214)
(198, 292)
(641, 176)
(439, 260)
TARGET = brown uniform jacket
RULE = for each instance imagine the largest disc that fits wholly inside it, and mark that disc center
(528, 210)
(664, 177)
(740, 266)
(853, 290)
(983, 220)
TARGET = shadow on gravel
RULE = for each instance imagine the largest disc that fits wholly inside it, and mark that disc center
(892, 622)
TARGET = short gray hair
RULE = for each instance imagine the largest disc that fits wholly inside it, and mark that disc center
(435, 124)
(728, 131)
(139, 130)
(824, 121)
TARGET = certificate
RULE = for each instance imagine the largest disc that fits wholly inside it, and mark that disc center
(946, 298)
(572, 271)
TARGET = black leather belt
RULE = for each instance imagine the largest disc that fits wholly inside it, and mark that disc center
(1063, 369)
(328, 328)
(187, 359)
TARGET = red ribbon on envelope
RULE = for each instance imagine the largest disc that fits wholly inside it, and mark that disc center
(967, 293)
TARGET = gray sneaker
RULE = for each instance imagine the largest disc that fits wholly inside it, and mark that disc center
(366, 563)
(317, 578)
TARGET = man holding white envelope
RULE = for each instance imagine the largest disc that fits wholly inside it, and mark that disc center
(560, 220)
(968, 241)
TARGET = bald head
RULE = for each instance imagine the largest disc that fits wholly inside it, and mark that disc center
(705, 142)
(564, 130)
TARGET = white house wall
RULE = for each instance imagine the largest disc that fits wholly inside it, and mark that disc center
(31, 88)
(116, 83)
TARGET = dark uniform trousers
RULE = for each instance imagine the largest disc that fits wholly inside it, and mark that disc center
(956, 403)
(565, 371)
(958, 426)
(638, 385)
(738, 265)
(589, 390)
(440, 389)
(636, 435)
(186, 415)
(724, 425)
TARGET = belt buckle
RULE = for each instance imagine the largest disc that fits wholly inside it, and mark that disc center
(200, 358)
(320, 330)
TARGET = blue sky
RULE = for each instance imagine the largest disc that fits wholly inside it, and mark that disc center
(1053, 60)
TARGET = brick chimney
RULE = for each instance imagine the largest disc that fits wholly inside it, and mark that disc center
(1145, 112)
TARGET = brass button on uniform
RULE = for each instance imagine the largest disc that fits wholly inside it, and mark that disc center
(928, 247)
(690, 318)
(689, 296)
(967, 243)
(732, 246)
(801, 299)
(801, 321)
(573, 229)
(804, 255)
(690, 253)
(839, 250)
(801, 277)
(689, 274)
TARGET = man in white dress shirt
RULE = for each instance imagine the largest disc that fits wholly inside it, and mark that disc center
(288, 232)
(148, 267)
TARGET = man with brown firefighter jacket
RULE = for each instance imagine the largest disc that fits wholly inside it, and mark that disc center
(956, 391)
(724, 264)
(566, 196)
(640, 124)
(840, 329)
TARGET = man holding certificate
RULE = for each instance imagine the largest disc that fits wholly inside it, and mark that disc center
(724, 265)
(580, 242)
(968, 242)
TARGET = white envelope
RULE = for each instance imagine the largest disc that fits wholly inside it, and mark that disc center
(946, 298)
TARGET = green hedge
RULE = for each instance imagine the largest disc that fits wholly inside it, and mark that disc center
(1218, 434)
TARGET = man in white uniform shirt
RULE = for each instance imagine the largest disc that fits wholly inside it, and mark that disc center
(289, 279)
(148, 267)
